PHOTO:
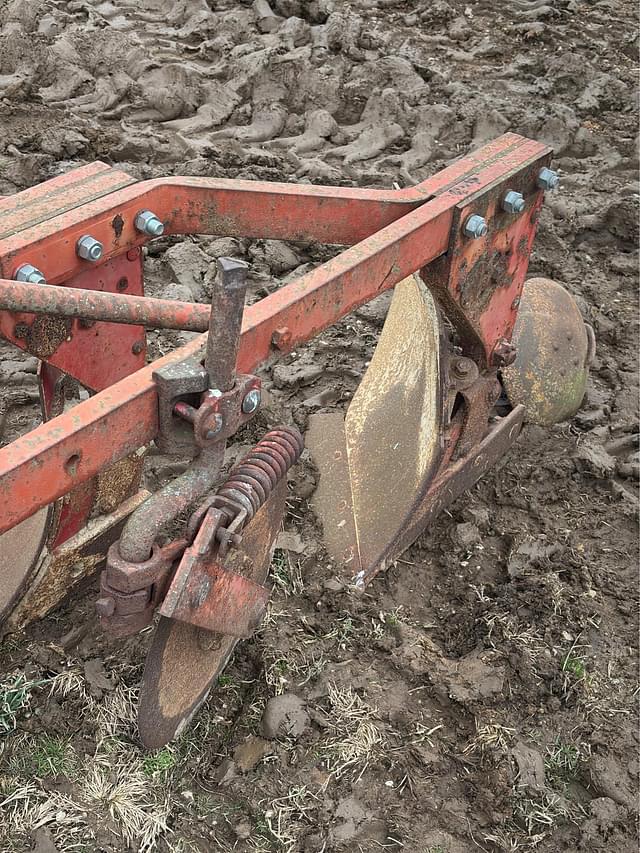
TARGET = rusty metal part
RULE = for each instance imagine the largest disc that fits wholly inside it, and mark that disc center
(220, 367)
(74, 303)
(452, 480)
(504, 353)
(47, 554)
(252, 480)
(200, 592)
(227, 308)
(205, 594)
(178, 383)
(130, 592)
(418, 227)
(20, 550)
(393, 432)
(144, 525)
(478, 283)
(220, 414)
(60, 569)
(555, 346)
(463, 372)
(70, 345)
(183, 660)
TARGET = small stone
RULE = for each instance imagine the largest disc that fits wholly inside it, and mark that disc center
(290, 375)
(242, 830)
(530, 768)
(250, 753)
(466, 534)
(288, 540)
(44, 842)
(97, 677)
(478, 515)
(285, 715)
(225, 772)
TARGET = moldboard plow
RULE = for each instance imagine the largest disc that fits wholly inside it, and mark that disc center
(467, 354)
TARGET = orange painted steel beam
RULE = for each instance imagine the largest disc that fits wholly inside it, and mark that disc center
(49, 461)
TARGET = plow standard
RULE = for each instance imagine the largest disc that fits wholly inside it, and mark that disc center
(468, 353)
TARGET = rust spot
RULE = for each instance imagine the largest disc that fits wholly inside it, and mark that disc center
(117, 223)
(45, 335)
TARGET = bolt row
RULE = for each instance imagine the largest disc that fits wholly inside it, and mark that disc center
(90, 249)
(513, 202)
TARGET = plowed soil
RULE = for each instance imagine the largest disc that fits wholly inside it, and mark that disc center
(481, 695)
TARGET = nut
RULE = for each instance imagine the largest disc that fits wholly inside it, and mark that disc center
(475, 226)
(148, 223)
(548, 179)
(29, 274)
(513, 202)
(89, 249)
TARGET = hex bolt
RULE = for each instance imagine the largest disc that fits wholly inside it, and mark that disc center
(548, 179)
(462, 366)
(251, 401)
(475, 226)
(148, 223)
(29, 274)
(513, 202)
(89, 249)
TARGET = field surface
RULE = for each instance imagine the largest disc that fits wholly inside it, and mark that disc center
(482, 693)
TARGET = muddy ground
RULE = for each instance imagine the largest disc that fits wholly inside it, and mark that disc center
(482, 694)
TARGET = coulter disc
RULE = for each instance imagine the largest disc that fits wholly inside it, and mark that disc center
(184, 661)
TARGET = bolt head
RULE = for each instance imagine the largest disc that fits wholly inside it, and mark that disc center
(148, 223)
(251, 401)
(513, 202)
(89, 249)
(475, 226)
(548, 179)
(29, 274)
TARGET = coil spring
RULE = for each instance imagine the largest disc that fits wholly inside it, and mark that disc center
(252, 480)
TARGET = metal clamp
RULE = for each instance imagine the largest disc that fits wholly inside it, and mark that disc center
(130, 592)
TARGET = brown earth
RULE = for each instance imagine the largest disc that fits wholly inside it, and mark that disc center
(482, 693)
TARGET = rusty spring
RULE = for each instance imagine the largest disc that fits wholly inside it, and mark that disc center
(252, 480)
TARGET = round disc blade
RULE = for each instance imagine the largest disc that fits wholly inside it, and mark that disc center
(184, 661)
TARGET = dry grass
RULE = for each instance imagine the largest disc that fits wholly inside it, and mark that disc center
(355, 738)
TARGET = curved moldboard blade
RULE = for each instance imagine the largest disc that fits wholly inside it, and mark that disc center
(376, 467)
(183, 660)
